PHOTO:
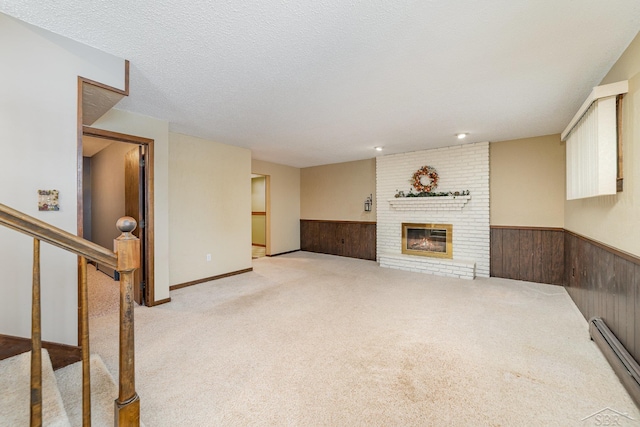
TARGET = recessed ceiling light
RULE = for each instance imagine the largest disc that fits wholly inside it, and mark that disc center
(461, 135)
(378, 148)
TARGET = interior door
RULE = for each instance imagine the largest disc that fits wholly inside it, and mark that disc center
(134, 170)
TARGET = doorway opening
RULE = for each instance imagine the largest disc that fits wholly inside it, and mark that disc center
(116, 179)
(260, 218)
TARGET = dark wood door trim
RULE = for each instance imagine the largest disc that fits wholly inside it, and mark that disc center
(149, 235)
(82, 81)
(116, 136)
(134, 206)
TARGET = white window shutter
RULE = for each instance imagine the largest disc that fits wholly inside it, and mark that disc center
(591, 137)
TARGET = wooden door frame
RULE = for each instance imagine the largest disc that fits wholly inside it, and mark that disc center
(267, 209)
(267, 212)
(149, 235)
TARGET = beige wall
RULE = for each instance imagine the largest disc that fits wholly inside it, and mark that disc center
(38, 150)
(258, 230)
(210, 208)
(527, 182)
(614, 220)
(258, 201)
(157, 130)
(338, 191)
(107, 189)
(284, 206)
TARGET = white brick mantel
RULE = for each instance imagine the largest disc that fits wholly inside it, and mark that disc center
(460, 168)
(454, 203)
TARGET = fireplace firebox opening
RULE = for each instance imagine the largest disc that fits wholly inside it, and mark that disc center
(434, 240)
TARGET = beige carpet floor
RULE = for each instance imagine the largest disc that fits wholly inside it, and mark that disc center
(104, 293)
(309, 339)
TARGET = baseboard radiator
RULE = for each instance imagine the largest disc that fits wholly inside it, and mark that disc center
(623, 364)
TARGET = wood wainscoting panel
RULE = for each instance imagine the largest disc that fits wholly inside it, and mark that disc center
(554, 247)
(603, 282)
(528, 253)
(511, 253)
(353, 239)
(634, 324)
(496, 267)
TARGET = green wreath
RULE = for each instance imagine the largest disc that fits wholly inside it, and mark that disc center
(420, 176)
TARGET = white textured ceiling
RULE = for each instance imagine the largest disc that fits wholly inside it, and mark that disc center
(324, 81)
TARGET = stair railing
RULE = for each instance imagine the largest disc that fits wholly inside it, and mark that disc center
(125, 259)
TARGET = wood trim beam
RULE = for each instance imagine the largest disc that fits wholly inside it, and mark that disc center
(338, 221)
(513, 227)
(622, 254)
(122, 137)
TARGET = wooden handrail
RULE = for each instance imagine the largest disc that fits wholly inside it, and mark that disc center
(40, 230)
(125, 259)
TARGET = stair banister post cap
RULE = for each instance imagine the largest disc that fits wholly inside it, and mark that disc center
(126, 224)
(127, 246)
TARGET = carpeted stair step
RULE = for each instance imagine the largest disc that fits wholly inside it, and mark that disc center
(15, 390)
(103, 392)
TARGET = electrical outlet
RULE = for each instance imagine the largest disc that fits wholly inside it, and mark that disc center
(208, 257)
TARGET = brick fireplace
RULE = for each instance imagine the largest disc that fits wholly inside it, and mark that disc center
(460, 168)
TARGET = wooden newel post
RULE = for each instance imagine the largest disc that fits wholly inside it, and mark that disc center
(127, 249)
